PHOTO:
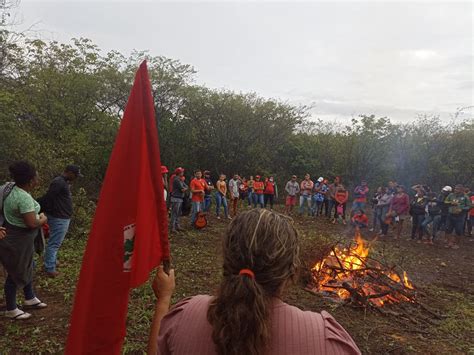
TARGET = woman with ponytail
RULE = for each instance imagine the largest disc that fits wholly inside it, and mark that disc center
(247, 316)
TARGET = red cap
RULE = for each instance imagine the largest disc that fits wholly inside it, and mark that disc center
(164, 169)
(257, 177)
(179, 170)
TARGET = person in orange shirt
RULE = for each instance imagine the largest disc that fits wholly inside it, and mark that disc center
(221, 198)
(258, 187)
(197, 186)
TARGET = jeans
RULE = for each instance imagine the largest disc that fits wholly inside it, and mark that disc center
(357, 206)
(427, 221)
(316, 206)
(268, 199)
(326, 207)
(258, 200)
(221, 200)
(10, 293)
(196, 207)
(331, 205)
(305, 200)
(375, 218)
(416, 226)
(207, 203)
(175, 212)
(456, 223)
(382, 214)
(250, 197)
(58, 228)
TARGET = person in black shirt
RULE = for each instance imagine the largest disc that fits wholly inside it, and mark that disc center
(178, 190)
(57, 205)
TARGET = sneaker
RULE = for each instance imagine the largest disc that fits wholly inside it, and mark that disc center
(371, 230)
(229, 217)
(218, 217)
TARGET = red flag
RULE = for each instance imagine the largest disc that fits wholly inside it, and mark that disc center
(129, 235)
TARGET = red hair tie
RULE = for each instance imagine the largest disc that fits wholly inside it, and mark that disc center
(247, 272)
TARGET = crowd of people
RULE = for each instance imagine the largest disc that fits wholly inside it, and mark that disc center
(22, 218)
(449, 211)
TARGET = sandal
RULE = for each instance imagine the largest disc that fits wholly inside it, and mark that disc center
(17, 314)
(34, 303)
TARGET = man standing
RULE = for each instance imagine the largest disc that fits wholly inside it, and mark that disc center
(270, 192)
(459, 204)
(258, 187)
(57, 205)
(178, 189)
(234, 185)
(207, 193)
(292, 188)
(198, 186)
(306, 189)
(360, 196)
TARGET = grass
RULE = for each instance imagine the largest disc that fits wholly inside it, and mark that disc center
(443, 277)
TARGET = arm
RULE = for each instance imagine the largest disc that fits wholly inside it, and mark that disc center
(32, 222)
(346, 197)
(3, 233)
(163, 287)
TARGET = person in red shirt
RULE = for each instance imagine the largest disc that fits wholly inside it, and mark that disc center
(258, 188)
(270, 192)
(399, 209)
(197, 186)
(360, 220)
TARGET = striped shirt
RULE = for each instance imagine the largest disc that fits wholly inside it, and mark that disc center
(186, 330)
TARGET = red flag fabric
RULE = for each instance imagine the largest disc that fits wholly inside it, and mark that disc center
(129, 235)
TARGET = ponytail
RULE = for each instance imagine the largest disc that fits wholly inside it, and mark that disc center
(239, 316)
(260, 254)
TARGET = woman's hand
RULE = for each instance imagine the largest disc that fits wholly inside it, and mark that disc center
(42, 219)
(3, 233)
(163, 284)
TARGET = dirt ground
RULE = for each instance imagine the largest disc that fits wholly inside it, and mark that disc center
(444, 279)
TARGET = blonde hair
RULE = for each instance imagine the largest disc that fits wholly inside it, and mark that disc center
(266, 243)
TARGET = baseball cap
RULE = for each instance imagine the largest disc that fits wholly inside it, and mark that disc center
(207, 172)
(164, 169)
(178, 170)
(320, 179)
(293, 177)
(447, 189)
(76, 170)
(257, 177)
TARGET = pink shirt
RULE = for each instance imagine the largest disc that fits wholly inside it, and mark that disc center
(185, 330)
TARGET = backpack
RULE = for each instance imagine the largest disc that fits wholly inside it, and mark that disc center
(4, 192)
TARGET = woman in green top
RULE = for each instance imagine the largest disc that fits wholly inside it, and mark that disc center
(22, 223)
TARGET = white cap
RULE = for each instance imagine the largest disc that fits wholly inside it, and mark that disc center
(447, 189)
(320, 179)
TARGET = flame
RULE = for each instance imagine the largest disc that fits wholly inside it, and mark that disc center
(347, 269)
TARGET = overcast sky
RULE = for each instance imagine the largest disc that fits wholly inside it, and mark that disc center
(394, 59)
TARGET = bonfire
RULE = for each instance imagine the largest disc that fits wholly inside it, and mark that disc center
(350, 274)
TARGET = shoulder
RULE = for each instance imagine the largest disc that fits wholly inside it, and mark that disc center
(316, 330)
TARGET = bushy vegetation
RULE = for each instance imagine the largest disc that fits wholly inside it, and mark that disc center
(62, 103)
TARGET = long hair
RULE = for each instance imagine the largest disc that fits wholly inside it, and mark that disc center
(266, 243)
